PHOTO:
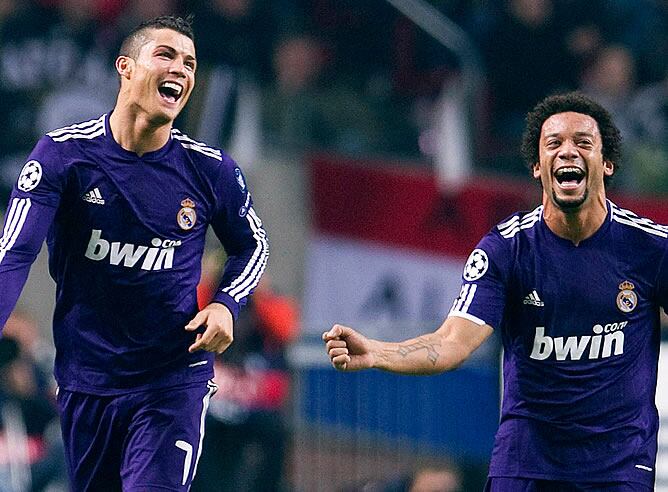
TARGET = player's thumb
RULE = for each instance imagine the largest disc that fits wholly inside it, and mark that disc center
(197, 321)
(334, 332)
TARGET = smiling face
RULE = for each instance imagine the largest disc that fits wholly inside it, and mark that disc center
(159, 79)
(571, 167)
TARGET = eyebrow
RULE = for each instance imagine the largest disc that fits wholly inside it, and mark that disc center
(173, 50)
(577, 134)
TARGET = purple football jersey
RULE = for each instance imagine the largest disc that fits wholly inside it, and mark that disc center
(126, 236)
(581, 333)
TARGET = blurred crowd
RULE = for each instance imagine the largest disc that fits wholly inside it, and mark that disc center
(350, 76)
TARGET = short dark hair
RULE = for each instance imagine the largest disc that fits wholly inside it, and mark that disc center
(578, 103)
(134, 40)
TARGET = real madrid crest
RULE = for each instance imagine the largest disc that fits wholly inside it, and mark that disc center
(627, 300)
(187, 216)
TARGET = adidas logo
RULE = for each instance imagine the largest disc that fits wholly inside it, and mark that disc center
(94, 196)
(533, 299)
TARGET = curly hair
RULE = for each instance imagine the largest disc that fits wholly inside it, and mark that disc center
(578, 103)
(136, 39)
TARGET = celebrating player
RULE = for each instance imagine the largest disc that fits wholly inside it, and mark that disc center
(574, 290)
(124, 202)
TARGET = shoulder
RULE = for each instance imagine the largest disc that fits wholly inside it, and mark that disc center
(632, 223)
(518, 222)
(86, 130)
(213, 161)
(220, 169)
(199, 151)
(501, 243)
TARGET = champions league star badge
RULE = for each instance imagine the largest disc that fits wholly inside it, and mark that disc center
(476, 265)
(187, 216)
(30, 176)
(627, 300)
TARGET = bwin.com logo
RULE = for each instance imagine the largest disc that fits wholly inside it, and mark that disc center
(608, 340)
(158, 257)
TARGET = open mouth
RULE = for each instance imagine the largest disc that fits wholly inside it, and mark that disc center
(170, 91)
(569, 177)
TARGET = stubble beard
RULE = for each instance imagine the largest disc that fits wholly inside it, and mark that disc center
(570, 205)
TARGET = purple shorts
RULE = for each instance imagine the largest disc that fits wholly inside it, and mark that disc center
(148, 441)
(503, 484)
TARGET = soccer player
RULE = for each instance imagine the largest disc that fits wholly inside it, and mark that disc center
(574, 289)
(124, 202)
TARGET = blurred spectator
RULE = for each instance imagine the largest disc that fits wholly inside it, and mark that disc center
(247, 435)
(31, 454)
(611, 81)
(55, 68)
(357, 33)
(237, 34)
(526, 59)
(22, 328)
(309, 107)
(642, 27)
(648, 112)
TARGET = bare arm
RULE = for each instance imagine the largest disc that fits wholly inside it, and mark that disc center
(443, 350)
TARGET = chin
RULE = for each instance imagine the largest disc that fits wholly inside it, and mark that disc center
(570, 204)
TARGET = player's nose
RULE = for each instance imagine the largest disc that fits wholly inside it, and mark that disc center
(177, 67)
(568, 150)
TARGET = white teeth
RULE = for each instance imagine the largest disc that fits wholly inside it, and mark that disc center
(172, 86)
(563, 170)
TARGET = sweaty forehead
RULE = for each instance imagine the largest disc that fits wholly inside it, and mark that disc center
(570, 123)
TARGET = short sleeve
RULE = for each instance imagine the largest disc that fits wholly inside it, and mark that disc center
(485, 280)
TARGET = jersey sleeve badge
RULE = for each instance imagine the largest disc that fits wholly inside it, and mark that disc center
(476, 265)
(30, 176)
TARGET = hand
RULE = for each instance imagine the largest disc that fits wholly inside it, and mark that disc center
(217, 336)
(347, 349)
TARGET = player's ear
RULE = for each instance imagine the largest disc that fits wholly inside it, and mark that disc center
(124, 66)
(608, 168)
(535, 170)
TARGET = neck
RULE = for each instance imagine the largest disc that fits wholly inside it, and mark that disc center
(136, 132)
(578, 224)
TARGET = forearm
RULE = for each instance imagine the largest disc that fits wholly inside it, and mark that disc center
(427, 354)
(25, 227)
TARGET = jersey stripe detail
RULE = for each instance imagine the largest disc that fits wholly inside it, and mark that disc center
(243, 289)
(461, 305)
(201, 147)
(629, 218)
(87, 130)
(205, 407)
(250, 276)
(514, 225)
(463, 301)
(16, 217)
(86, 125)
(469, 298)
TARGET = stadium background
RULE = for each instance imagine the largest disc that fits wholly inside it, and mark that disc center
(380, 139)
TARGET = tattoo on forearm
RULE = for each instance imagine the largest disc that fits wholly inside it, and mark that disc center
(421, 344)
